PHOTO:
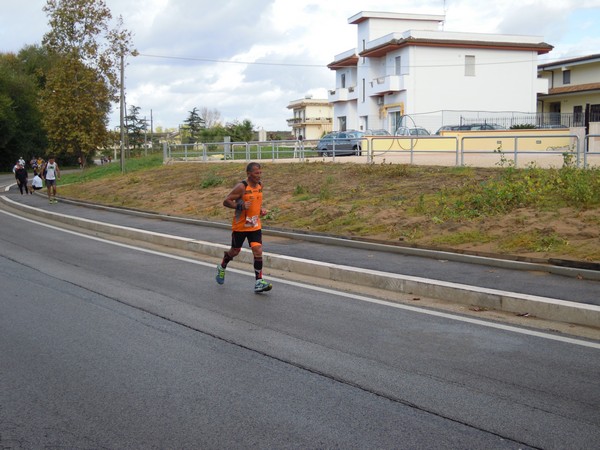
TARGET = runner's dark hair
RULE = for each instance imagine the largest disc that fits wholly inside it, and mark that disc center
(251, 166)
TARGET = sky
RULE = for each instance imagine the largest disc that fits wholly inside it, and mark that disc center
(248, 59)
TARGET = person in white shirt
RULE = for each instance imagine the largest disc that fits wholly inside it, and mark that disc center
(51, 173)
(36, 183)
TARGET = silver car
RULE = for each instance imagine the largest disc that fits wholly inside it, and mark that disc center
(341, 143)
(416, 131)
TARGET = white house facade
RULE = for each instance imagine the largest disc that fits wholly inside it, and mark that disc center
(405, 65)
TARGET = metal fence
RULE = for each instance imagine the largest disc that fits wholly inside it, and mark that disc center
(489, 150)
(433, 121)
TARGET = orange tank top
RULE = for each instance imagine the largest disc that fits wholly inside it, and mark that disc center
(249, 219)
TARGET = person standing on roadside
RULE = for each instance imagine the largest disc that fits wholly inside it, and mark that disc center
(51, 173)
(22, 178)
(246, 199)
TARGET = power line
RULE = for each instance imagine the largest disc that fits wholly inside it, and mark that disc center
(259, 63)
(234, 62)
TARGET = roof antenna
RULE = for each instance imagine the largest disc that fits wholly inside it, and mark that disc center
(444, 21)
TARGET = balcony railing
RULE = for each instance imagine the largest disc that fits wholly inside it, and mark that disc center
(338, 95)
(382, 85)
(309, 120)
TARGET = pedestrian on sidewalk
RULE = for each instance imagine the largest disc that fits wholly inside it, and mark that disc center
(246, 199)
(51, 173)
(21, 177)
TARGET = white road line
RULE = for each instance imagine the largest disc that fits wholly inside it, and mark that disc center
(455, 317)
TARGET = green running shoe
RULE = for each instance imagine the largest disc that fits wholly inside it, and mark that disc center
(262, 286)
(220, 275)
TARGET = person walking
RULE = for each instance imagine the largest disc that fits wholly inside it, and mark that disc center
(246, 199)
(51, 173)
(22, 178)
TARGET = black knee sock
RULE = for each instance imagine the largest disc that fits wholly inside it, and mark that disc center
(226, 259)
(258, 265)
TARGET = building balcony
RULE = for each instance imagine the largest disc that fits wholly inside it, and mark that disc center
(297, 121)
(337, 95)
(541, 85)
(342, 94)
(384, 85)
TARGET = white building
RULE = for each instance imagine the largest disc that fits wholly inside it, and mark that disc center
(404, 64)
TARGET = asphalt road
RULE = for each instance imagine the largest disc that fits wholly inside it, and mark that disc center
(439, 267)
(107, 345)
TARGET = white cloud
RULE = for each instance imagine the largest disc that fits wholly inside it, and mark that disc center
(288, 42)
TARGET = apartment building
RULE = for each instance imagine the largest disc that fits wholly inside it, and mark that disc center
(312, 118)
(404, 64)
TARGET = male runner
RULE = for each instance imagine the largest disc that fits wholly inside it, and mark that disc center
(246, 199)
(51, 173)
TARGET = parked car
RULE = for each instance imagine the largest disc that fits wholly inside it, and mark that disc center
(341, 143)
(326, 142)
(380, 132)
(485, 126)
(552, 125)
(416, 131)
(470, 127)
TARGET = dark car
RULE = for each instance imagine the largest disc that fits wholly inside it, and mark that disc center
(341, 143)
(552, 125)
(416, 131)
(470, 127)
(380, 132)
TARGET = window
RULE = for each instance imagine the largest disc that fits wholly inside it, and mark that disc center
(594, 113)
(364, 86)
(342, 123)
(364, 123)
(363, 47)
(398, 65)
(469, 65)
(566, 77)
(395, 119)
(343, 80)
(578, 116)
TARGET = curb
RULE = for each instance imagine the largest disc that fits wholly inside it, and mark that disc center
(504, 263)
(541, 307)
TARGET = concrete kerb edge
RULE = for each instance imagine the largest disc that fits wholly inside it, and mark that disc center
(332, 240)
(541, 307)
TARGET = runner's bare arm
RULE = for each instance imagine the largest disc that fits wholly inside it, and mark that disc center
(231, 201)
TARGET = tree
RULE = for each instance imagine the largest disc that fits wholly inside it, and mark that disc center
(75, 114)
(241, 132)
(214, 134)
(211, 117)
(21, 132)
(135, 127)
(36, 62)
(193, 124)
(82, 84)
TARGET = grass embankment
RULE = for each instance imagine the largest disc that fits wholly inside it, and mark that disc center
(533, 212)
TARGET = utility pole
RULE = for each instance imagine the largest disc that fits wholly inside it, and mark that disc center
(145, 136)
(122, 113)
